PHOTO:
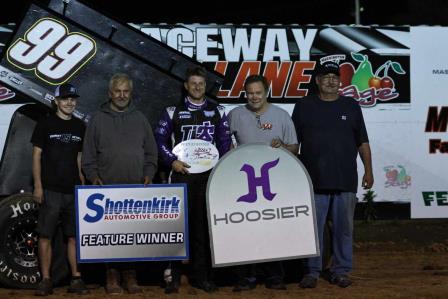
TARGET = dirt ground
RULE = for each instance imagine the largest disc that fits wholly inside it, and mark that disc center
(392, 259)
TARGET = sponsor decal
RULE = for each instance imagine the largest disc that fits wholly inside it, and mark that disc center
(435, 198)
(15, 80)
(396, 176)
(51, 51)
(17, 276)
(204, 131)
(437, 122)
(132, 239)
(6, 93)
(106, 209)
(365, 86)
(287, 55)
(440, 72)
(49, 97)
(209, 113)
(262, 181)
(184, 114)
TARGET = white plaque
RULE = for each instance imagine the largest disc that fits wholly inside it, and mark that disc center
(199, 154)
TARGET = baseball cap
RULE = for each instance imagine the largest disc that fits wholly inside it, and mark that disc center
(66, 90)
(328, 67)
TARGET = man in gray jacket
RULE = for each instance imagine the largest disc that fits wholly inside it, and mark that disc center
(119, 148)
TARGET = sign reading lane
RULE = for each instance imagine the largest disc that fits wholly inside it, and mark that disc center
(260, 204)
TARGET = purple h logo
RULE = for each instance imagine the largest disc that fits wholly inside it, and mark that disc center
(262, 180)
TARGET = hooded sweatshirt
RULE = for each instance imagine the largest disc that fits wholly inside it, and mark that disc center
(119, 147)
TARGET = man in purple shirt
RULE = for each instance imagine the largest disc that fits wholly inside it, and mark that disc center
(194, 118)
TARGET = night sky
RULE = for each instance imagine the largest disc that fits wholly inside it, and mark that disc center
(383, 12)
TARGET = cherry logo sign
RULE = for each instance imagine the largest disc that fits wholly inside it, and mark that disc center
(367, 86)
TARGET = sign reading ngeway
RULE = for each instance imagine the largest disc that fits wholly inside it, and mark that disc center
(260, 204)
(131, 223)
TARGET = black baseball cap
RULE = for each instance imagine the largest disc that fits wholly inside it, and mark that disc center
(328, 67)
(66, 90)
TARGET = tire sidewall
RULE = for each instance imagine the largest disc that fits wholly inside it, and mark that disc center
(19, 266)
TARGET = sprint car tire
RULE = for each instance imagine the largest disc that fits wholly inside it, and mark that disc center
(19, 266)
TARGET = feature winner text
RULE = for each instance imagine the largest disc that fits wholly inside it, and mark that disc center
(132, 239)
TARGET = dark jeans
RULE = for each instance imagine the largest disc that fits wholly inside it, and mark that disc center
(341, 206)
(199, 242)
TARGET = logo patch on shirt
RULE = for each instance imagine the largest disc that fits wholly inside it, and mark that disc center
(266, 126)
(343, 117)
(210, 113)
(184, 114)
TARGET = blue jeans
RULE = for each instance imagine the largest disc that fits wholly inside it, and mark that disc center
(341, 205)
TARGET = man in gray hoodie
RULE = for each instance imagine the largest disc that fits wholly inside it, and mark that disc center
(119, 148)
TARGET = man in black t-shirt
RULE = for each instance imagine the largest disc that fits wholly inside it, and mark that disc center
(331, 132)
(57, 144)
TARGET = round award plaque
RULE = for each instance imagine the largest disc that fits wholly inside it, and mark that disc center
(199, 154)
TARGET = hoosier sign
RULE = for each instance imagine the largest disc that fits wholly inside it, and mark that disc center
(260, 204)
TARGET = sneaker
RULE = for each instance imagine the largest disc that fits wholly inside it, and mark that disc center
(245, 284)
(77, 286)
(44, 288)
(340, 280)
(207, 286)
(172, 281)
(308, 282)
(172, 287)
(275, 284)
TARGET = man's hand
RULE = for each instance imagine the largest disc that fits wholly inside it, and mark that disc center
(38, 195)
(367, 180)
(82, 178)
(276, 142)
(181, 167)
(97, 181)
(146, 180)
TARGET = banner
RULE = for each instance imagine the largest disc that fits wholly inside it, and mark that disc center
(428, 154)
(375, 70)
(260, 200)
(131, 223)
(398, 74)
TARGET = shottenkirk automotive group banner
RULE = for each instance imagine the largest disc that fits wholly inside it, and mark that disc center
(131, 223)
(260, 200)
